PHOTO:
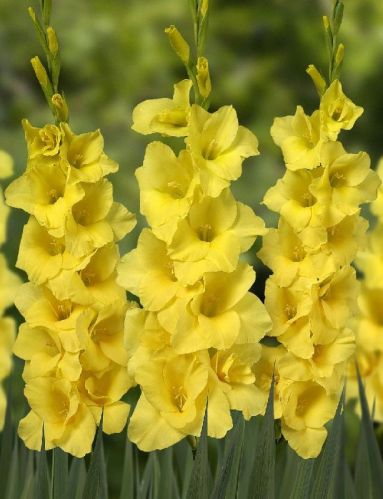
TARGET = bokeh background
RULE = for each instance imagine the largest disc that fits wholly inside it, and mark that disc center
(115, 54)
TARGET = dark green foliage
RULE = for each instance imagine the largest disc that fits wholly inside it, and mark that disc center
(249, 463)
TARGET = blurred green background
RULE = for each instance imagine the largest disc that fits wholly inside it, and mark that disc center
(114, 55)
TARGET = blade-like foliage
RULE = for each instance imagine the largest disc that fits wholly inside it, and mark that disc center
(226, 483)
(77, 478)
(199, 481)
(327, 465)
(264, 465)
(127, 478)
(96, 484)
(370, 448)
(42, 480)
(59, 474)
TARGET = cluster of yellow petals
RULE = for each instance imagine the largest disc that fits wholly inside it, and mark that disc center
(195, 341)
(72, 338)
(312, 293)
(9, 283)
(369, 321)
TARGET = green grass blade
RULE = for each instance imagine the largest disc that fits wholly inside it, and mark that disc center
(168, 486)
(7, 440)
(363, 478)
(247, 462)
(96, 486)
(375, 458)
(42, 481)
(302, 479)
(264, 465)
(26, 473)
(127, 479)
(327, 464)
(147, 483)
(12, 491)
(350, 491)
(226, 482)
(77, 478)
(199, 480)
(60, 474)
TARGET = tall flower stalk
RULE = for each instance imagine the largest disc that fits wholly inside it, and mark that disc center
(194, 341)
(8, 286)
(72, 339)
(312, 293)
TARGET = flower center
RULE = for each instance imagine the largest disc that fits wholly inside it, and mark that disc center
(205, 233)
(179, 397)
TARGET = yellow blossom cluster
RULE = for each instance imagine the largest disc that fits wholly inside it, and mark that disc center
(72, 338)
(312, 292)
(9, 283)
(369, 321)
(195, 341)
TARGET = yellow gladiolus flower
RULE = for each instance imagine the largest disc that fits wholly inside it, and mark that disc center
(165, 116)
(306, 407)
(94, 283)
(347, 179)
(68, 422)
(294, 199)
(44, 193)
(148, 272)
(299, 139)
(85, 155)
(334, 304)
(6, 164)
(172, 403)
(167, 188)
(235, 377)
(43, 143)
(337, 111)
(219, 145)
(286, 255)
(212, 236)
(224, 313)
(95, 220)
(43, 256)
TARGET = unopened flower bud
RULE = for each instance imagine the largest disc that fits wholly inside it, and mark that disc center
(317, 78)
(203, 77)
(178, 43)
(52, 41)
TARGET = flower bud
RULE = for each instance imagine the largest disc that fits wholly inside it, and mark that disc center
(317, 78)
(52, 41)
(61, 107)
(178, 43)
(339, 55)
(40, 72)
(203, 77)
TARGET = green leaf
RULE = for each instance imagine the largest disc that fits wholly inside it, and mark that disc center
(96, 486)
(168, 487)
(59, 474)
(42, 481)
(149, 484)
(199, 480)
(77, 478)
(226, 482)
(337, 16)
(327, 464)
(7, 439)
(12, 478)
(375, 458)
(264, 465)
(302, 479)
(363, 478)
(127, 479)
(247, 462)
